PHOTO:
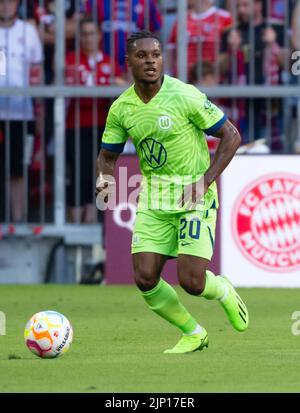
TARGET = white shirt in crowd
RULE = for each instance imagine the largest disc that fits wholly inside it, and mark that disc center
(22, 48)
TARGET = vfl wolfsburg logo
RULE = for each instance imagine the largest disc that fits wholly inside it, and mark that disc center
(154, 153)
(164, 122)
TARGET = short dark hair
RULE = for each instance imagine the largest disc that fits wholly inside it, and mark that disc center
(87, 20)
(144, 34)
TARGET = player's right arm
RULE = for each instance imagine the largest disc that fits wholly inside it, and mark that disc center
(113, 142)
(105, 166)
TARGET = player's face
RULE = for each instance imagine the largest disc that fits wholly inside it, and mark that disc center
(89, 38)
(8, 9)
(146, 61)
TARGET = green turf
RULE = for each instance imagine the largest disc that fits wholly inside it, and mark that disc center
(118, 344)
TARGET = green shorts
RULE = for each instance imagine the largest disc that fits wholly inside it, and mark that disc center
(171, 234)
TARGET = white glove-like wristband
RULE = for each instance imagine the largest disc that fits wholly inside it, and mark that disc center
(106, 185)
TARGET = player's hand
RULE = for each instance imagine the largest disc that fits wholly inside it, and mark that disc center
(193, 195)
(105, 185)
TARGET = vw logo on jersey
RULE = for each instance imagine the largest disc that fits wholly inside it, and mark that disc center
(164, 122)
(154, 153)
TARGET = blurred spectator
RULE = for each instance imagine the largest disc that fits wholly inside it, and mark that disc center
(43, 13)
(23, 50)
(89, 67)
(296, 26)
(273, 10)
(273, 56)
(250, 15)
(233, 60)
(169, 10)
(263, 62)
(203, 73)
(233, 71)
(205, 26)
(295, 80)
(119, 18)
(235, 108)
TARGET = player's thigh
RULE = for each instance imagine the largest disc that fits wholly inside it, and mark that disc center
(154, 240)
(196, 233)
(155, 232)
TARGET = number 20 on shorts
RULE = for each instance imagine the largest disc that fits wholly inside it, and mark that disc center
(192, 227)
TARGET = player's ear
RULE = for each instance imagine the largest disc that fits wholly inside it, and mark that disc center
(127, 60)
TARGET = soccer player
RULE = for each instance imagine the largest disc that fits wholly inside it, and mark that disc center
(167, 120)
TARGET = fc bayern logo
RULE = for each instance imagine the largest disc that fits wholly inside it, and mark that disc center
(266, 222)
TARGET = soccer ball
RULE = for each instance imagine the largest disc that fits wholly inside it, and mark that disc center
(48, 334)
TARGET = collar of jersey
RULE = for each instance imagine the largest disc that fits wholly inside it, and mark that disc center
(205, 14)
(165, 79)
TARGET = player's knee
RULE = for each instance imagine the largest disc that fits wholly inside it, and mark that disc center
(145, 279)
(193, 284)
(192, 288)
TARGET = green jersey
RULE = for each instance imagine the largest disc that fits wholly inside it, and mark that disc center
(169, 136)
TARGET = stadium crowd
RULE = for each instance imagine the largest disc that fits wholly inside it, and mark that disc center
(230, 42)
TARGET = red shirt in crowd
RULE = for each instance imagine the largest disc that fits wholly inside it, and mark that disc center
(82, 70)
(204, 31)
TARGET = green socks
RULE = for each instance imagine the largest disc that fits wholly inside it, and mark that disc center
(163, 300)
(214, 287)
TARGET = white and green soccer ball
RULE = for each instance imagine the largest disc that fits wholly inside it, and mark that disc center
(48, 334)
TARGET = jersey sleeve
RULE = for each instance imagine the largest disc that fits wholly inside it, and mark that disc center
(205, 114)
(114, 136)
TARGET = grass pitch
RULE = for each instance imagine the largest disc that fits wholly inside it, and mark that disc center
(118, 344)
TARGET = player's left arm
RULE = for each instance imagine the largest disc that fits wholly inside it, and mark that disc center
(206, 116)
(230, 141)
